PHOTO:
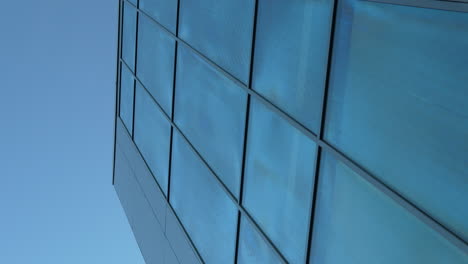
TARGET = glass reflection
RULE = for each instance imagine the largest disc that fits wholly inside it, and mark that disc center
(155, 63)
(210, 111)
(152, 136)
(356, 223)
(279, 178)
(207, 213)
(397, 104)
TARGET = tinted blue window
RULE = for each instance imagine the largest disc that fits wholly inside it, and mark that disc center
(210, 111)
(220, 29)
(291, 52)
(129, 35)
(127, 85)
(206, 212)
(356, 223)
(279, 180)
(152, 135)
(135, 2)
(408, 107)
(252, 247)
(163, 11)
(155, 63)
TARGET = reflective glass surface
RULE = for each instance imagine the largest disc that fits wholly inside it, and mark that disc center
(210, 111)
(358, 224)
(291, 53)
(163, 11)
(152, 136)
(129, 34)
(127, 85)
(279, 180)
(155, 63)
(398, 102)
(206, 212)
(252, 247)
(220, 29)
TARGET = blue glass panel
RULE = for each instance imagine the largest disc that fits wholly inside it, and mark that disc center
(155, 63)
(206, 212)
(129, 34)
(398, 102)
(356, 223)
(135, 2)
(127, 85)
(252, 247)
(291, 53)
(152, 136)
(210, 111)
(279, 180)
(220, 29)
(163, 11)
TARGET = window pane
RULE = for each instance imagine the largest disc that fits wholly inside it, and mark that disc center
(356, 223)
(408, 108)
(279, 180)
(206, 212)
(155, 63)
(163, 11)
(152, 136)
(129, 35)
(127, 85)
(210, 111)
(221, 29)
(291, 53)
(252, 247)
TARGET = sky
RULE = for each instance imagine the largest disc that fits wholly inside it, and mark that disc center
(57, 88)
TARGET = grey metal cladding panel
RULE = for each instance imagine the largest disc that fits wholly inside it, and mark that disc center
(179, 241)
(169, 255)
(145, 178)
(146, 229)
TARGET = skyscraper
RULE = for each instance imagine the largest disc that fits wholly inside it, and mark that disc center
(302, 131)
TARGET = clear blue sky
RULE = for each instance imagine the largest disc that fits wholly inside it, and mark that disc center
(57, 72)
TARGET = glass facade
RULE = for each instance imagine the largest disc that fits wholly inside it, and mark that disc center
(305, 131)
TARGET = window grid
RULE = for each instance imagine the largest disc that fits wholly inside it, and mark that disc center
(318, 139)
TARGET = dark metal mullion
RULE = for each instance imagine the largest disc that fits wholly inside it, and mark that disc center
(455, 6)
(205, 163)
(246, 132)
(134, 71)
(117, 85)
(173, 104)
(323, 110)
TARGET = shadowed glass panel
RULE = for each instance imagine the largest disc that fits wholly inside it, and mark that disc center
(155, 63)
(220, 29)
(291, 53)
(398, 102)
(210, 111)
(206, 212)
(129, 34)
(127, 85)
(279, 179)
(152, 136)
(358, 224)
